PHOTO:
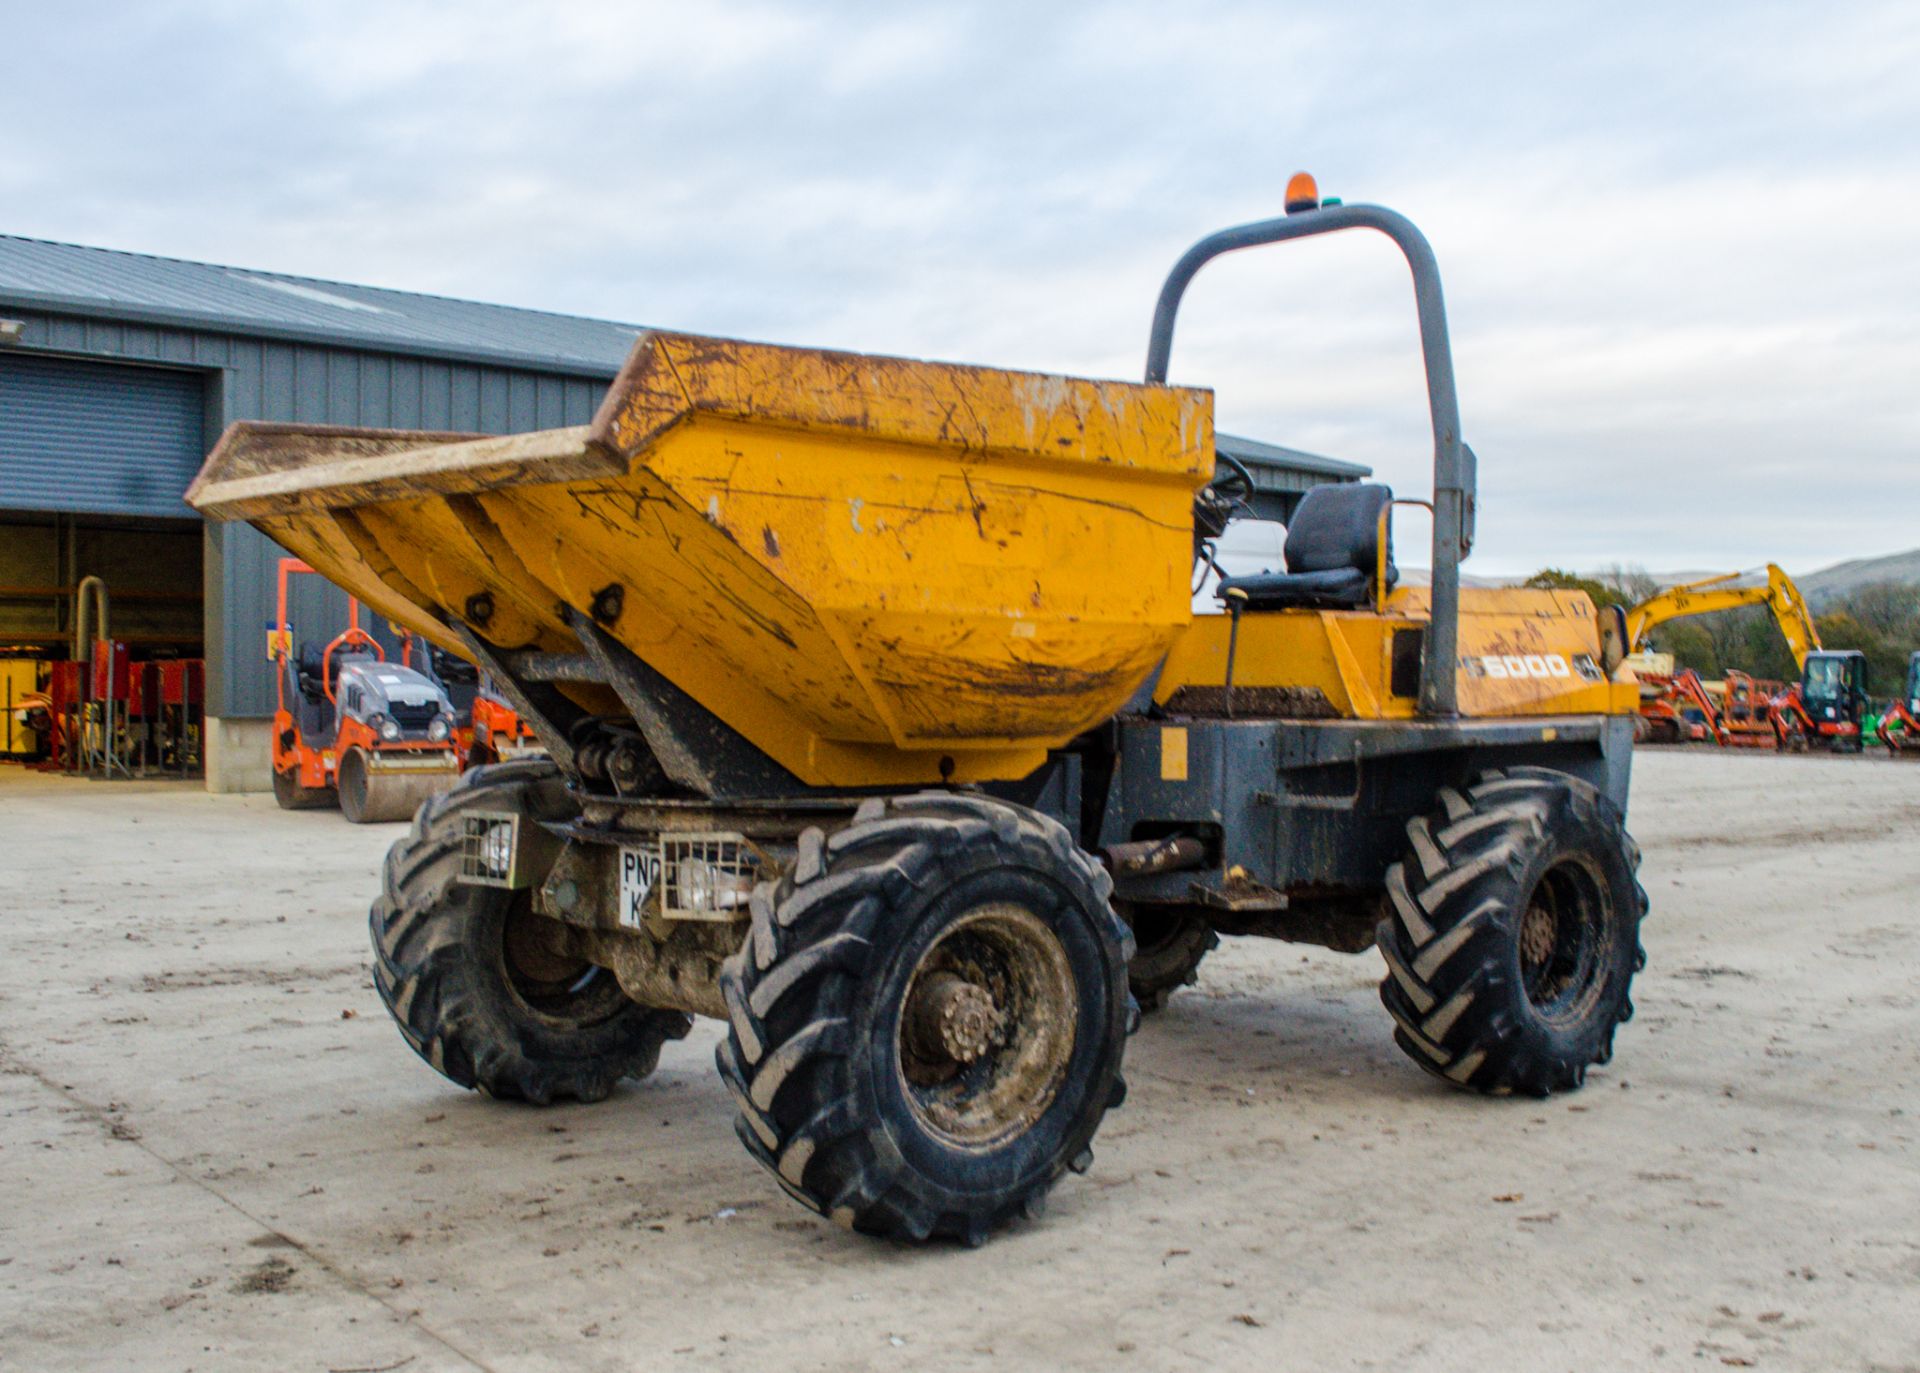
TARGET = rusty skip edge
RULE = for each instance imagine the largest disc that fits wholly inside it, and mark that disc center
(262, 469)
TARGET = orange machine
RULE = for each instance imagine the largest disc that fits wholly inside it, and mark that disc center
(352, 728)
(1827, 707)
(486, 729)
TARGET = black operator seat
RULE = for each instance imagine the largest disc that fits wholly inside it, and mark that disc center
(313, 654)
(308, 667)
(1332, 552)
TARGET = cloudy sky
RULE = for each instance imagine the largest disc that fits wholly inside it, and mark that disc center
(1678, 240)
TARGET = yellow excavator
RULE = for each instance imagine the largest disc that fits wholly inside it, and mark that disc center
(1666, 693)
(1720, 593)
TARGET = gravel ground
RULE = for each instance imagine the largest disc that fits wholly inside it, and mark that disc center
(217, 1153)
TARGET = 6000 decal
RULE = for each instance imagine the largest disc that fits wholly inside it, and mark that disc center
(1509, 666)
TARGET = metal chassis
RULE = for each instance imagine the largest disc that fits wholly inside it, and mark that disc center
(1302, 812)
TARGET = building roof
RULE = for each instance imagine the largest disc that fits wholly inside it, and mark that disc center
(105, 283)
(1272, 456)
(102, 283)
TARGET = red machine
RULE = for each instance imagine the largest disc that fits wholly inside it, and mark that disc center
(495, 733)
(1826, 706)
(179, 715)
(1665, 709)
(1746, 711)
(378, 737)
(1740, 717)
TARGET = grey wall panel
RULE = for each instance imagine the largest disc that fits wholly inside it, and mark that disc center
(464, 404)
(404, 398)
(272, 379)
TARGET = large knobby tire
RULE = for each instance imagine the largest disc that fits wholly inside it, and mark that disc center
(927, 1018)
(288, 794)
(1170, 943)
(467, 979)
(1514, 933)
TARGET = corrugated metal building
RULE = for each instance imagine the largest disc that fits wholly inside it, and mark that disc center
(117, 373)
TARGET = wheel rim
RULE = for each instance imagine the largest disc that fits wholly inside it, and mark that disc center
(558, 987)
(986, 1029)
(1562, 934)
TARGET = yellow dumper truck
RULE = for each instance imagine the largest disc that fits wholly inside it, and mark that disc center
(880, 727)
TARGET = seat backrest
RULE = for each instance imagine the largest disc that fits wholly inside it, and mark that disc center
(1338, 527)
(313, 654)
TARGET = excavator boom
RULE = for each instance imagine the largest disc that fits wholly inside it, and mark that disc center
(1709, 594)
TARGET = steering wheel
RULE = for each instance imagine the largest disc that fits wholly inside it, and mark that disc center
(355, 635)
(1237, 486)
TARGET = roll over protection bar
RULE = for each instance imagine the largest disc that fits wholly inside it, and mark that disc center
(1453, 461)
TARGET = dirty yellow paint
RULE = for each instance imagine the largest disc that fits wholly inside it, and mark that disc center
(879, 571)
(1173, 754)
(1522, 652)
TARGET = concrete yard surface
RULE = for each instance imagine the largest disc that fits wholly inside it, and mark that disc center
(219, 1154)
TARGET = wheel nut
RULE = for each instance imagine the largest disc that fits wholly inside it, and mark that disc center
(951, 1019)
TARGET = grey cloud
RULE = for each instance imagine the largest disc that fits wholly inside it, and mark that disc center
(1674, 235)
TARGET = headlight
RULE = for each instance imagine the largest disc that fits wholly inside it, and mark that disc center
(497, 849)
(695, 880)
(438, 729)
(389, 729)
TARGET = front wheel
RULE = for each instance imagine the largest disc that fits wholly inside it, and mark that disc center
(1514, 933)
(473, 984)
(926, 1021)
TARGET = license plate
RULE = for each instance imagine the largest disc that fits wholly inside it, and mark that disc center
(639, 874)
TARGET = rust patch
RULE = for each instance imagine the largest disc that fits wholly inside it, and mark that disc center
(1254, 702)
(1024, 681)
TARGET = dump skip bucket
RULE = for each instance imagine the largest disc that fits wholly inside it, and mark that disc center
(877, 571)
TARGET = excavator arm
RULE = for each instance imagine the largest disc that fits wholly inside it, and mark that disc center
(1709, 594)
(1791, 614)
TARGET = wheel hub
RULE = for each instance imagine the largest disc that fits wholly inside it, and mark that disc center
(532, 956)
(1561, 936)
(1536, 936)
(949, 1017)
(987, 1026)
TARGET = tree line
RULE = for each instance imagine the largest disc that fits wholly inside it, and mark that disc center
(1881, 619)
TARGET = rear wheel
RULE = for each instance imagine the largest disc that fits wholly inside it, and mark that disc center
(288, 794)
(927, 1019)
(1514, 933)
(1169, 945)
(470, 979)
